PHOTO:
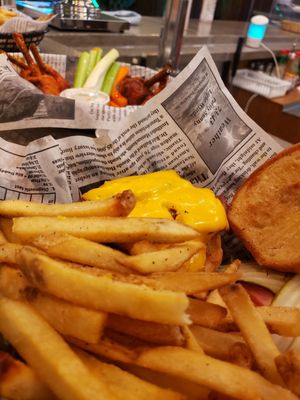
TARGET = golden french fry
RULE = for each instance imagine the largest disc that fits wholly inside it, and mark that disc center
(285, 321)
(70, 319)
(191, 390)
(214, 253)
(8, 252)
(170, 259)
(13, 284)
(191, 282)
(288, 365)
(240, 354)
(214, 297)
(146, 330)
(66, 247)
(2, 237)
(124, 385)
(6, 225)
(253, 330)
(201, 369)
(105, 229)
(47, 353)
(144, 246)
(45, 17)
(205, 314)
(117, 206)
(232, 267)
(214, 343)
(177, 281)
(191, 341)
(8, 13)
(102, 292)
(18, 381)
(66, 318)
(109, 348)
(224, 377)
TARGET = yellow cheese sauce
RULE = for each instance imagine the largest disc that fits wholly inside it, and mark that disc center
(164, 194)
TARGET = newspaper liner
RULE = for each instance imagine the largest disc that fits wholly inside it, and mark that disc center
(194, 126)
(23, 23)
(55, 111)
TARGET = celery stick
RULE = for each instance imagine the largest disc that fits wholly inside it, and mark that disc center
(98, 55)
(96, 77)
(81, 70)
(92, 62)
(110, 78)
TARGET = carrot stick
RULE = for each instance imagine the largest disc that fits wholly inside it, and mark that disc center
(115, 95)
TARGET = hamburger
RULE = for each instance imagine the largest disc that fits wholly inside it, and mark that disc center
(265, 212)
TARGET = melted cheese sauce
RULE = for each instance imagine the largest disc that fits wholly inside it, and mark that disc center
(164, 194)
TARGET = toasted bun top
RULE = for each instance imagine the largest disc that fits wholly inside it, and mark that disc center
(265, 212)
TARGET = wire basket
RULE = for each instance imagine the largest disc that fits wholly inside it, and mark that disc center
(8, 44)
(260, 83)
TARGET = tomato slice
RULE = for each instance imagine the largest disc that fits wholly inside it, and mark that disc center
(259, 295)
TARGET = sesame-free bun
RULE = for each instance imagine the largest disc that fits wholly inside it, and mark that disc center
(265, 212)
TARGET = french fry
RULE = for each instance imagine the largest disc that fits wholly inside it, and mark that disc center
(6, 227)
(13, 284)
(285, 321)
(8, 252)
(224, 377)
(240, 354)
(214, 343)
(106, 229)
(288, 365)
(191, 282)
(110, 349)
(2, 237)
(66, 318)
(214, 253)
(201, 369)
(102, 292)
(191, 341)
(47, 353)
(116, 206)
(170, 259)
(177, 281)
(66, 247)
(191, 390)
(144, 246)
(124, 385)
(70, 319)
(253, 330)
(205, 314)
(232, 267)
(19, 382)
(145, 330)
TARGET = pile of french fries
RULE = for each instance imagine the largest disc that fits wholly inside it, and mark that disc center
(100, 306)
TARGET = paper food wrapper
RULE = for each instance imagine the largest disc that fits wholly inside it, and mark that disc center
(23, 23)
(193, 126)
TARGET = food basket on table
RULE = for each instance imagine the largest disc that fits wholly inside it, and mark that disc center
(122, 84)
(8, 44)
(14, 21)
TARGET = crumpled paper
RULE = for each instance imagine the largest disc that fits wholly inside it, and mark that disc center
(23, 23)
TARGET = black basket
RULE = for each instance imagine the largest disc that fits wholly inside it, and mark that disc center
(8, 44)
